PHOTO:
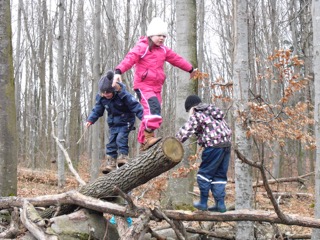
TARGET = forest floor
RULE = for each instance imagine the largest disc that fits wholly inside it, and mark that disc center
(295, 200)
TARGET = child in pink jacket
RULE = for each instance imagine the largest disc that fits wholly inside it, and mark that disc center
(148, 57)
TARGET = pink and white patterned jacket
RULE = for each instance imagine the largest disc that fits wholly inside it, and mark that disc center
(209, 126)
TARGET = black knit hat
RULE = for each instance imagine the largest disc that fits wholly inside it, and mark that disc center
(105, 83)
(191, 101)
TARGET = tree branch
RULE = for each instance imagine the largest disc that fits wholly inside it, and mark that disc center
(67, 158)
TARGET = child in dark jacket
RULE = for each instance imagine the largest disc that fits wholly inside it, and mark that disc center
(207, 123)
(122, 108)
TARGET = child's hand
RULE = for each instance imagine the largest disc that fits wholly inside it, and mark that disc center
(88, 124)
(117, 88)
(194, 72)
(116, 78)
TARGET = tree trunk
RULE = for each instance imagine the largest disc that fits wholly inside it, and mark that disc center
(95, 159)
(316, 64)
(42, 66)
(75, 118)
(243, 172)
(179, 188)
(8, 128)
(61, 93)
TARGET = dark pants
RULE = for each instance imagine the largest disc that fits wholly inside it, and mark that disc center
(213, 170)
(118, 141)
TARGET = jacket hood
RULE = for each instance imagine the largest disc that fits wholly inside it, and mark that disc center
(201, 107)
(215, 112)
(143, 39)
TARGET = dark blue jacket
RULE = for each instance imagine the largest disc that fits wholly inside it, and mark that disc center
(122, 109)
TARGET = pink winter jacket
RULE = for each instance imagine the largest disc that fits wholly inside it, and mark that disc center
(149, 73)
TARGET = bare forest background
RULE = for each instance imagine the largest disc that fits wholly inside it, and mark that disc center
(280, 64)
(256, 60)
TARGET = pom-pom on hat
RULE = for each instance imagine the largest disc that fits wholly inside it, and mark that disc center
(191, 101)
(157, 27)
(105, 83)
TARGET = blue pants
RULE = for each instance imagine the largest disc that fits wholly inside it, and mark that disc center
(213, 170)
(118, 141)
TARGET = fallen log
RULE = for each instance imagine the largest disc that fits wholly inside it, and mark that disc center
(290, 195)
(160, 158)
(299, 179)
(43, 176)
(196, 216)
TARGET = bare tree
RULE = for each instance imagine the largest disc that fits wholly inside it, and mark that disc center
(316, 69)
(75, 113)
(243, 172)
(61, 93)
(178, 188)
(96, 142)
(8, 129)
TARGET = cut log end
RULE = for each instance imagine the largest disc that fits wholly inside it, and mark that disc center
(173, 149)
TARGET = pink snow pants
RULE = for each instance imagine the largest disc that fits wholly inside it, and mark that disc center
(151, 102)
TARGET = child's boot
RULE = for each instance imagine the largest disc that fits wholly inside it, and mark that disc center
(149, 141)
(219, 207)
(202, 204)
(218, 192)
(109, 165)
(214, 207)
(122, 159)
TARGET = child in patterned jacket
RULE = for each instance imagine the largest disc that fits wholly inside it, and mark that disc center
(207, 123)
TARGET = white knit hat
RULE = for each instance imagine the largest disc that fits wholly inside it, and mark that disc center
(157, 27)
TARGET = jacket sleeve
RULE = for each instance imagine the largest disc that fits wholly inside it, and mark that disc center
(176, 60)
(132, 57)
(97, 111)
(188, 129)
(132, 103)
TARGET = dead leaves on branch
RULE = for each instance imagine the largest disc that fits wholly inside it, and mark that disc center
(277, 123)
(200, 75)
(286, 118)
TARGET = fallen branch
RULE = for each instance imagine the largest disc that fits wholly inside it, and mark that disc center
(35, 229)
(67, 158)
(220, 235)
(43, 176)
(140, 227)
(13, 230)
(299, 179)
(162, 215)
(111, 208)
(286, 219)
(290, 194)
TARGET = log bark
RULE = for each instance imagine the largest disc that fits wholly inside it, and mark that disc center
(160, 158)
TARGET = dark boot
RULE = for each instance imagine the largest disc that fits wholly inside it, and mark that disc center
(149, 141)
(122, 160)
(219, 207)
(202, 205)
(214, 207)
(218, 192)
(109, 165)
